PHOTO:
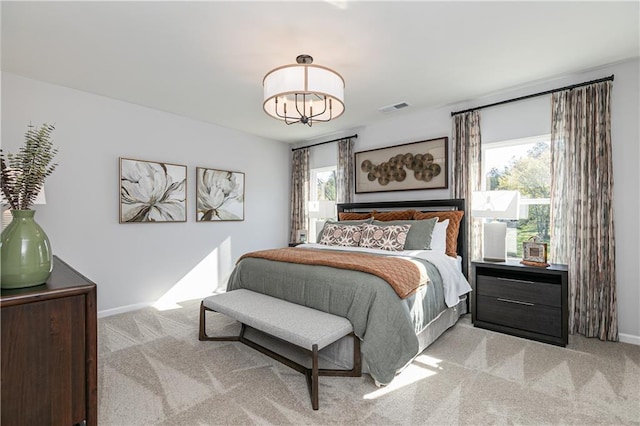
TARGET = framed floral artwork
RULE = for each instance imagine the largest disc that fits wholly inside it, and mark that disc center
(417, 165)
(152, 192)
(220, 195)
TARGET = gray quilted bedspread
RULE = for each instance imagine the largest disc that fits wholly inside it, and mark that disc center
(386, 324)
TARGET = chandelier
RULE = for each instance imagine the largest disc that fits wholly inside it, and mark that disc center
(303, 93)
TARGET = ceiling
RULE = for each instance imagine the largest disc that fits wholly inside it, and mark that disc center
(206, 60)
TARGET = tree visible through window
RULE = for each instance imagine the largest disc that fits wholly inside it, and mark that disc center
(326, 185)
(523, 165)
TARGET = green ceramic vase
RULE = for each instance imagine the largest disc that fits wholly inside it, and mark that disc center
(25, 252)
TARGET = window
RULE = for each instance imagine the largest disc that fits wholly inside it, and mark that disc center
(322, 199)
(523, 165)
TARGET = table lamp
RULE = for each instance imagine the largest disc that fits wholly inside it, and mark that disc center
(495, 205)
(319, 212)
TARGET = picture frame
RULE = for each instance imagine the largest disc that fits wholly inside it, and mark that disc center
(534, 253)
(152, 191)
(219, 195)
(412, 166)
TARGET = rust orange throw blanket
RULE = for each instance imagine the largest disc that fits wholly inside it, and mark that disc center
(403, 275)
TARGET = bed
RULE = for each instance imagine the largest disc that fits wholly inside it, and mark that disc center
(393, 327)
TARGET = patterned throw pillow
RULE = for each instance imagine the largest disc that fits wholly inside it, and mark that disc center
(341, 235)
(385, 237)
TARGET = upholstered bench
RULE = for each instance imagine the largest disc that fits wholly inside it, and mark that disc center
(299, 325)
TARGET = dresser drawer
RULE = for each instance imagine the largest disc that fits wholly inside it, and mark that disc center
(534, 292)
(534, 318)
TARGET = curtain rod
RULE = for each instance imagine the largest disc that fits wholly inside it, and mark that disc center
(322, 143)
(547, 92)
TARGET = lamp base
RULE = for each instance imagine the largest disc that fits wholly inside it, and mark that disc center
(490, 259)
(494, 247)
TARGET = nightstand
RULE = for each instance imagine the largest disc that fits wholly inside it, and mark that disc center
(524, 301)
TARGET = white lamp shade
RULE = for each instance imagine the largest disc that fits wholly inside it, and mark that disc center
(285, 82)
(7, 217)
(322, 209)
(40, 198)
(496, 204)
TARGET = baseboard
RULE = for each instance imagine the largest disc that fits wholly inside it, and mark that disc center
(624, 338)
(122, 309)
(629, 338)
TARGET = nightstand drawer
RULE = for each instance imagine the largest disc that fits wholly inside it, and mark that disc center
(515, 313)
(521, 300)
(534, 292)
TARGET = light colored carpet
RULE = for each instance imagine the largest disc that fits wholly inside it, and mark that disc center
(154, 371)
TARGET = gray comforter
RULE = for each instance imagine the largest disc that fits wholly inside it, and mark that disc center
(386, 324)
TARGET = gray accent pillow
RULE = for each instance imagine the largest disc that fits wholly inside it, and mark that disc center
(351, 222)
(419, 235)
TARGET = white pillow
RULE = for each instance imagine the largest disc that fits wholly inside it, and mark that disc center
(439, 237)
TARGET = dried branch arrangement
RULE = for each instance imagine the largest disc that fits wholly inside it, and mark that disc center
(23, 174)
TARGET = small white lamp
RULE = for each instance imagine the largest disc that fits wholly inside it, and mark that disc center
(319, 212)
(496, 205)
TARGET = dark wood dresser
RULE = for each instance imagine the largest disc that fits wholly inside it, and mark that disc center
(524, 301)
(49, 351)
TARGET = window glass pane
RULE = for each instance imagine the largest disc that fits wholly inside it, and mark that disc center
(523, 165)
(322, 199)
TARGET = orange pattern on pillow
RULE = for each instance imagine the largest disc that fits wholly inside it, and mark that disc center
(454, 216)
(394, 215)
(353, 216)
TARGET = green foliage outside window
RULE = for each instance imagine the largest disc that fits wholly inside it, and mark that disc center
(327, 186)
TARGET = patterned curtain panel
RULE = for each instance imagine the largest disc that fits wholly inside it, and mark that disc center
(467, 171)
(299, 191)
(581, 206)
(344, 183)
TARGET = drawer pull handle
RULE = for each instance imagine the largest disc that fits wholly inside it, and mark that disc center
(515, 301)
(513, 279)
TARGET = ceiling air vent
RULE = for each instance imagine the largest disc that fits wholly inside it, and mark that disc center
(393, 107)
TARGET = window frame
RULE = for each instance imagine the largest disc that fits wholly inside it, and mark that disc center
(524, 202)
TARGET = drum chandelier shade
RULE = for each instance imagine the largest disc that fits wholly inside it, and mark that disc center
(303, 93)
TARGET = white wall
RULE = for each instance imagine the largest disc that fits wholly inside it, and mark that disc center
(139, 263)
(136, 264)
(532, 117)
(323, 156)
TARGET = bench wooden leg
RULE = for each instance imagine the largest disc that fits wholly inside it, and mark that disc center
(311, 375)
(314, 378)
(356, 370)
(202, 335)
(357, 361)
